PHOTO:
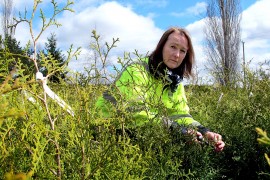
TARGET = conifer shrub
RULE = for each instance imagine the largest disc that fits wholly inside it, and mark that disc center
(41, 140)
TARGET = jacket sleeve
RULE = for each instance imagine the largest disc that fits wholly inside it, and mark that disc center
(179, 111)
(128, 94)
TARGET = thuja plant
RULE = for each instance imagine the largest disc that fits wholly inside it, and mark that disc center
(103, 153)
(264, 140)
(163, 154)
(235, 113)
(28, 126)
(42, 140)
(45, 141)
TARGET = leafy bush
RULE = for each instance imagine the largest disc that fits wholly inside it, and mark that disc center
(41, 140)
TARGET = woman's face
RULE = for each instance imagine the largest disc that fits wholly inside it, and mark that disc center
(175, 50)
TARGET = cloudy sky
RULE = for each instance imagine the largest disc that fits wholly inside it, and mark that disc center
(140, 23)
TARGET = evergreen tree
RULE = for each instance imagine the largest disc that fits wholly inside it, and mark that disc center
(53, 54)
(11, 53)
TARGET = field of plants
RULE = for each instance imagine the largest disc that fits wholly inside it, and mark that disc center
(41, 137)
(42, 140)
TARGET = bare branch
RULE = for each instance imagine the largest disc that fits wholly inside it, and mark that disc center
(222, 32)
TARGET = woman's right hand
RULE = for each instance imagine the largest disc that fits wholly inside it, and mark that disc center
(216, 139)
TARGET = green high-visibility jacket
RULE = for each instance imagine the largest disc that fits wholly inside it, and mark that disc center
(136, 91)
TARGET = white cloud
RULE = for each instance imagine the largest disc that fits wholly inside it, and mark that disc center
(20, 5)
(255, 32)
(196, 31)
(198, 9)
(154, 3)
(195, 10)
(255, 21)
(80, 5)
(113, 20)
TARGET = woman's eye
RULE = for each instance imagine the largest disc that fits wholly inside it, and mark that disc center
(183, 51)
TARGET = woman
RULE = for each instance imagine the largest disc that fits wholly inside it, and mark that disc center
(152, 89)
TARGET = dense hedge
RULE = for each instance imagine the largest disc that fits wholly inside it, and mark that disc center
(41, 140)
(84, 147)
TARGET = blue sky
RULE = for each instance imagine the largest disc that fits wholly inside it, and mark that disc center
(140, 23)
(174, 12)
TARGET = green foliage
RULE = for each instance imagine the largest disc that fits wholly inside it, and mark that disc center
(264, 140)
(235, 113)
(40, 140)
(52, 60)
(11, 53)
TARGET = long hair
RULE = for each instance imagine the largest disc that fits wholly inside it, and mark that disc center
(156, 64)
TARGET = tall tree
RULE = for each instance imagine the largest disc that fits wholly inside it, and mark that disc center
(222, 32)
(7, 17)
(11, 52)
(55, 59)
